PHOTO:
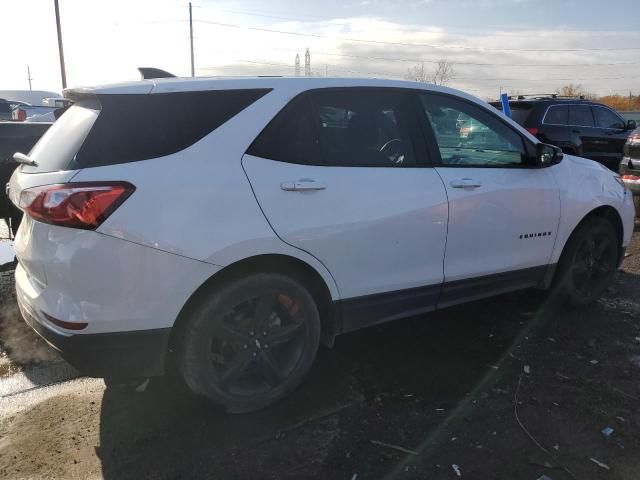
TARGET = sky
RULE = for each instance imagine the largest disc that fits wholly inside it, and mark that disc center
(518, 46)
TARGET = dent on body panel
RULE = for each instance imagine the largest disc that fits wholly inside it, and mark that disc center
(96, 278)
(584, 186)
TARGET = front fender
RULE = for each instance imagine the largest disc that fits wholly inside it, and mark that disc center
(584, 186)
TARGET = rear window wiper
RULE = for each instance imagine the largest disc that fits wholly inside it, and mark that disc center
(23, 159)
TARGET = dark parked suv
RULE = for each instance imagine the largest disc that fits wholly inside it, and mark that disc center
(578, 126)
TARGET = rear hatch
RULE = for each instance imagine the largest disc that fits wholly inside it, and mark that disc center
(53, 154)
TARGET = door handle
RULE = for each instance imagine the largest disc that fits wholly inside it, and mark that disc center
(465, 183)
(576, 131)
(302, 185)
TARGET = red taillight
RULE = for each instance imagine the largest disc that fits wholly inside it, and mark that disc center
(632, 178)
(634, 139)
(67, 325)
(22, 115)
(75, 205)
(533, 130)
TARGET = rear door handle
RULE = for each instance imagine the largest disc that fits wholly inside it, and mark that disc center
(576, 131)
(302, 185)
(465, 183)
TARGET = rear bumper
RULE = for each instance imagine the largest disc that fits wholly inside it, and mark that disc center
(139, 353)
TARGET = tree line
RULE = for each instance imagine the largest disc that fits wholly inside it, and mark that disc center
(443, 73)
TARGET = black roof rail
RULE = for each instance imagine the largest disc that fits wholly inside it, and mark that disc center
(542, 96)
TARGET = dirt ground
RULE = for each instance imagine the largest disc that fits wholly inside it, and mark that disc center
(505, 388)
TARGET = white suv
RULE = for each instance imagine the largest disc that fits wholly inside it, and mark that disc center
(231, 225)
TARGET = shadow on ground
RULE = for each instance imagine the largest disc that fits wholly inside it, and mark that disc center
(415, 371)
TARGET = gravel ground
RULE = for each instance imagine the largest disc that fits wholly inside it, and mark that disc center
(19, 347)
(505, 388)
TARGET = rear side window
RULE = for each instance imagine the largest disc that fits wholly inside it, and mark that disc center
(557, 115)
(580, 116)
(291, 137)
(605, 118)
(363, 128)
(135, 127)
(5, 107)
(341, 127)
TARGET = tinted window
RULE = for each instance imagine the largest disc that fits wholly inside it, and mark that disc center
(557, 115)
(605, 118)
(363, 128)
(468, 135)
(291, 137)
(141, 126)
(520, 111)
(5, 107)
(56, 149)
(580, 115)
(345, 127)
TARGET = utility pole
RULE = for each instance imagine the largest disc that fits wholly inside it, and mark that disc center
(630, 100)
(60, 50)
(193, 71)
(297, 65)
(29, 77)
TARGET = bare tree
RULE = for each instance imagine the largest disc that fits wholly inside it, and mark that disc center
(418, 73)
(441, 75)
(571, 90)
(576, 90)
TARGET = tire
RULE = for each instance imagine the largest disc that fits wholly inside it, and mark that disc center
(250, 342)
(588, 263)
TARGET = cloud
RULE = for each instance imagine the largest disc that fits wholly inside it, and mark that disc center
(102, 44)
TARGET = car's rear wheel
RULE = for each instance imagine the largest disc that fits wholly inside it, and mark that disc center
(588, 262)
(250, 342)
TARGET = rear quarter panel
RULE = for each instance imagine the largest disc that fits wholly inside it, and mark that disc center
(198, 203)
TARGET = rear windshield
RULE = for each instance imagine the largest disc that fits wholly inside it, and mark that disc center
(59, 144)
(114, 129)
(519, 110)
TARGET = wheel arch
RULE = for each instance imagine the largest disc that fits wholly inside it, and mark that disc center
(607, 213)
(270, 263)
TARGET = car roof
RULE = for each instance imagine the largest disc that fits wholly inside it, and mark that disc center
(294, 85)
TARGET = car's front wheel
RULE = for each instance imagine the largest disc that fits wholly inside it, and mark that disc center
(588, 262)
(250, 342)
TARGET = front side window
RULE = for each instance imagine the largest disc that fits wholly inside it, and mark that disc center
(467, 135)
(605, 118)
(342, 127)
(580, 116)
(556, 115)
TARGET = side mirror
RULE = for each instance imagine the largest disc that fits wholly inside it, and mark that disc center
(631, 125)
(547, 155)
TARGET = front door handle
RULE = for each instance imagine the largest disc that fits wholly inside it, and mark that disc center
(465, 183)
(302, 185)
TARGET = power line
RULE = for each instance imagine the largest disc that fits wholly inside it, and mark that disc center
(396, 75)
(301, 18)
(404, 44)
(481, 64)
